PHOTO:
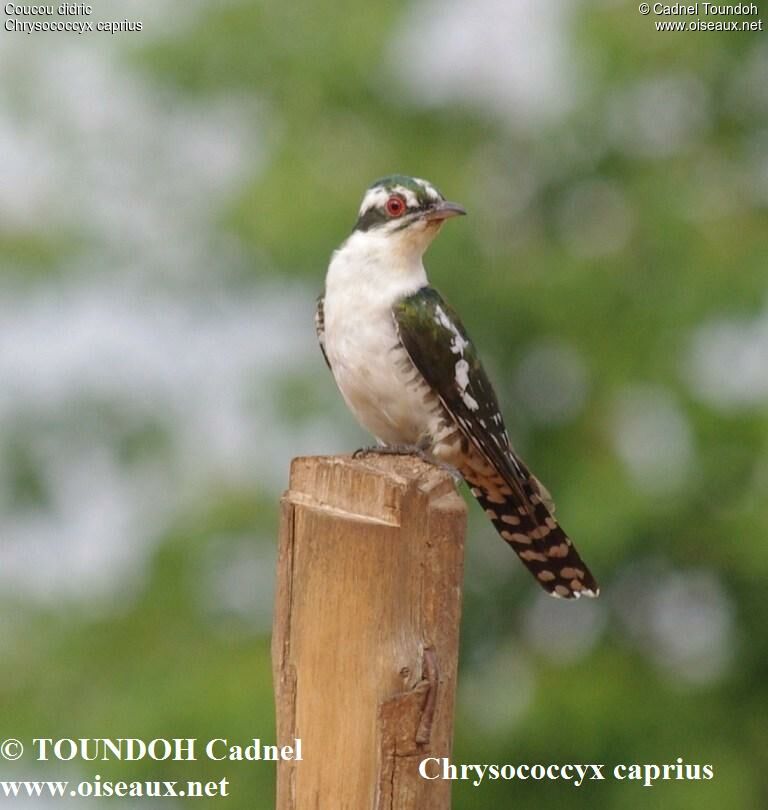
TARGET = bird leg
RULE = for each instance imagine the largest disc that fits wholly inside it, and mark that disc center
(408, 450)
(392, 450)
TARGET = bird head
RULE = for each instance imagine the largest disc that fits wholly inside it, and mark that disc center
(404, 211)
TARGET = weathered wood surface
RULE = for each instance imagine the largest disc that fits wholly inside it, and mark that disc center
(366, 630)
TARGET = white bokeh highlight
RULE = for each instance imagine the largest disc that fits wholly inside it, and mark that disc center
(684, 620)
(510, 60)
(652, 437)
(726, 364)
(564, 632)
(660, 115)
(552, 382)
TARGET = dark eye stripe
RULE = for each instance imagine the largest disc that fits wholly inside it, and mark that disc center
(372, 217)
(376, 213)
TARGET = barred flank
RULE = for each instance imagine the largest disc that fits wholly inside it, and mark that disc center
(535, 535)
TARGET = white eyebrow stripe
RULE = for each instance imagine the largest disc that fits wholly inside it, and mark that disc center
(373, 197)
(432, 192)
(376, 197)
(411, 200)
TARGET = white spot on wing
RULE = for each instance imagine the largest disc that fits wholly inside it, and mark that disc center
(462, 374)
(458, 343)
(470, 401)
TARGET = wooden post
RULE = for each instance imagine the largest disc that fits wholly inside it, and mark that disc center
(366, 630)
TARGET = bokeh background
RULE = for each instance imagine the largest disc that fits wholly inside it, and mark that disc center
(168, 203)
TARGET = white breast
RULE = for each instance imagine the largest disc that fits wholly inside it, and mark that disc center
(380, 385)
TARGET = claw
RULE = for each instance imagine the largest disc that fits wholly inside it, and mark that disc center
(362, 451)
(408, 450)
(390, 450)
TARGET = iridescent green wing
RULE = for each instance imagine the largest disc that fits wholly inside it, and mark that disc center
(440, 348)
(437, 343)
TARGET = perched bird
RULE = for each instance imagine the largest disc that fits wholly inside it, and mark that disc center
(412, 377)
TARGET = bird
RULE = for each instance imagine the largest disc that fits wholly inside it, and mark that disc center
(412, 377)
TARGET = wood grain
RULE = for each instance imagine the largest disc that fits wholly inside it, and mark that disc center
(366, 630)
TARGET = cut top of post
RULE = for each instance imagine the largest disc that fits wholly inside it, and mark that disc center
(371, 486)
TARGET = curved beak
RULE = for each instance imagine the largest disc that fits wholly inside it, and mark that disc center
(444, 210)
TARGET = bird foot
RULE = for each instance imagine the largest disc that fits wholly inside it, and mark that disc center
(391, 450)
(408, 450)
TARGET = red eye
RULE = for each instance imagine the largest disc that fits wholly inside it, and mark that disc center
(395, 206)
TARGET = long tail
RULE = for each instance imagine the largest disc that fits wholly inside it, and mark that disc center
(529, 526)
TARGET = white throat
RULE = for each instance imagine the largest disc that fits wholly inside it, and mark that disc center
(367, 275)
(380, 266)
